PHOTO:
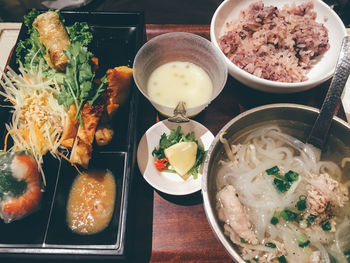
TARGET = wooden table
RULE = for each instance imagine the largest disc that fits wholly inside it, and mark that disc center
(175, 229)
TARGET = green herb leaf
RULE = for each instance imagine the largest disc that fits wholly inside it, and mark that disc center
(79, 32)
(174, 137)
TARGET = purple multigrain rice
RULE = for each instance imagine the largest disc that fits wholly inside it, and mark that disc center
(275, 44)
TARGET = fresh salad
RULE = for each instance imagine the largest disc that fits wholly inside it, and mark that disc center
(179, 153)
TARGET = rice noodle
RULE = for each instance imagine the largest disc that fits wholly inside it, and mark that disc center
(267, 147)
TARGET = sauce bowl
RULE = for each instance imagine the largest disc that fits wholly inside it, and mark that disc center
(180, 46)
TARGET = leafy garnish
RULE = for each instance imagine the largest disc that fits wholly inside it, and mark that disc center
(270, 244)
(282, 183)
(289, 215)
(326, 226)
(30, 52)
(274, 220)
(175, 137)
(311, 218)
(301, 204)
(78, 83)
(282, 259)
(79, 32)
(302, 241)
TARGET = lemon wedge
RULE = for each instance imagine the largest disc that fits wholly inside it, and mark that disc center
(182, 157)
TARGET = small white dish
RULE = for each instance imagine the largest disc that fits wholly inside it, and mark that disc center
(229, 10)
(170, 183)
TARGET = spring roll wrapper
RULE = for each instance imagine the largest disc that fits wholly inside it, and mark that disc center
(54, 37)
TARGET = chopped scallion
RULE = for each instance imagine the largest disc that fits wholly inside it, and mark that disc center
(326, 226)
(271, 245)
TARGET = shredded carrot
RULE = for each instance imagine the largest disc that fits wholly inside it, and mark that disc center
(27, 79)
(11, 131)
(157, 118)
(161, 164)
(73, 164)
(39, 136)
(7, 99)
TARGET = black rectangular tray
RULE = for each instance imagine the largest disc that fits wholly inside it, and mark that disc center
(44, 234)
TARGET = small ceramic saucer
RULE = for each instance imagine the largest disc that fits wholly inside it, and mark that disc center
(166, 182)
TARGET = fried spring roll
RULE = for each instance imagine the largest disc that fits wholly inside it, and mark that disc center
(82, 147)
(54, 37)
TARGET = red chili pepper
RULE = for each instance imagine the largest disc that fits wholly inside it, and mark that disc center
(161, 164)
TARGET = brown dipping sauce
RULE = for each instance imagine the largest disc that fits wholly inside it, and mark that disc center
(91, 202)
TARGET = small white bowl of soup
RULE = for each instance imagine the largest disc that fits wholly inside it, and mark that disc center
(179, 66)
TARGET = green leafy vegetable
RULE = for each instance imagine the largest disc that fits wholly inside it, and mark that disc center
(270, 244)
(79, 32)
(302, 241)
(30, 52)
(78, 83)
(174, 137)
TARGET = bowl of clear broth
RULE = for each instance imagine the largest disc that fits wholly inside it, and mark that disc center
(268, 199)
(179, 66)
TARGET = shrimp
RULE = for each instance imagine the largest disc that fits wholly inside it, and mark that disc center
(23, 168)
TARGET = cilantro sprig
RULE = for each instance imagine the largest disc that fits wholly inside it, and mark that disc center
(79, 87)
(177, 136)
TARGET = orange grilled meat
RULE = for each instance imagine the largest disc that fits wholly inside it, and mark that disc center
(82, 147)
(119, 79)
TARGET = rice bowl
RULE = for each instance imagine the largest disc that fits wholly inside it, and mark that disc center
(322, 69)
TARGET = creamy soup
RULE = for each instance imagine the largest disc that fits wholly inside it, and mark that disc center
(180, 81)
(91, 202)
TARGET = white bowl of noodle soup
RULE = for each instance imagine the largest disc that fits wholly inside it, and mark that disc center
(293, 120)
